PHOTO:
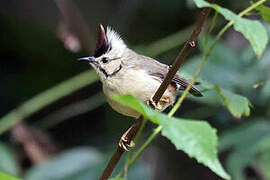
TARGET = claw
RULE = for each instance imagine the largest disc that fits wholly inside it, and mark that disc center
(156, 106)
(124, 144)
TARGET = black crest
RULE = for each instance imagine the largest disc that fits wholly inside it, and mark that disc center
(102, 45)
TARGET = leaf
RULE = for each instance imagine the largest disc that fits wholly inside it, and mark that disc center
(236, 104)
(8, 163)
(196, 138)
(4, 176)
(253, 30)
(76, 164)
(265, 12)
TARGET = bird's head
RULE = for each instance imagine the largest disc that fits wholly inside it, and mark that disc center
(108, 53)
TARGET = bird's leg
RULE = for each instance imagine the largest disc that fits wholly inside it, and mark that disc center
(126, 140)
(154, 105)
(159, 106)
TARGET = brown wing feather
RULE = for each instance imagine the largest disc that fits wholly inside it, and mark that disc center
(157, 69)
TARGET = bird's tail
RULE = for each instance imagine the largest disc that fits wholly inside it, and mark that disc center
(183, 84)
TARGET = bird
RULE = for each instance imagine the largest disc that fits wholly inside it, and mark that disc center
(123, 71)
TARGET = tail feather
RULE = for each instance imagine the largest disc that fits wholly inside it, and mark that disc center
(183, 84)
(195, 92)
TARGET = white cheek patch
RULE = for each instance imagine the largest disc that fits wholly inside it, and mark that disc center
(112, 66)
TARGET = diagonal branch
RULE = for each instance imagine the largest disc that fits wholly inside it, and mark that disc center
(173, 70)
(182, 55)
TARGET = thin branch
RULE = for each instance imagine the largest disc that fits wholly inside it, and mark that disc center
(38, 145)
(173, 70)
(117, 155)
(73, 18)
(182, 55)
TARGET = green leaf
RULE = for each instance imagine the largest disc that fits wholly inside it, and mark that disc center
(4, 176)
(265, 12)
(76, 164)
(253, 30)
(236, 104)
(8, 163)
(196, 138)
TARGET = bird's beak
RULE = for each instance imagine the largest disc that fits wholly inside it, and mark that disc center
(90, 59)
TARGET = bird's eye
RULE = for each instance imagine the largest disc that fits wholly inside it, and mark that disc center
(105, 59)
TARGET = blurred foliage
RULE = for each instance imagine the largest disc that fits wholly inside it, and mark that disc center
(35, 58)
(4, 176)
(8, 162)
(40, 101)
(251, 147)
(79, 164)
(265, 12)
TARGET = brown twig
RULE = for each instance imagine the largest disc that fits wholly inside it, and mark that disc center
(173, 70)
(117, 155)
(182, 55)
(37, 144)
(75, 22)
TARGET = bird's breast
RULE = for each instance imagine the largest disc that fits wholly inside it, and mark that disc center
(137, 83)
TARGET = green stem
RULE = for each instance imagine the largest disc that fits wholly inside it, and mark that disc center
(147, 142)
(47, 97)
(142, 148)
(212, 25)
(165, 44)
(196, 74)
(135, 140)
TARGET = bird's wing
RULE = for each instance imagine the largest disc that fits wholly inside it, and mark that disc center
(181, 83)
(159, 70)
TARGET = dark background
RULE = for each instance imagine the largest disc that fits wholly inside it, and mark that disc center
(40, 42)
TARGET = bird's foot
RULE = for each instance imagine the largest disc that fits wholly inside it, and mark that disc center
(159, 106)
(125, 143)
(154, 105)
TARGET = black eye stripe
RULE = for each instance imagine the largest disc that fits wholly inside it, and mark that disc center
(106, 59)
